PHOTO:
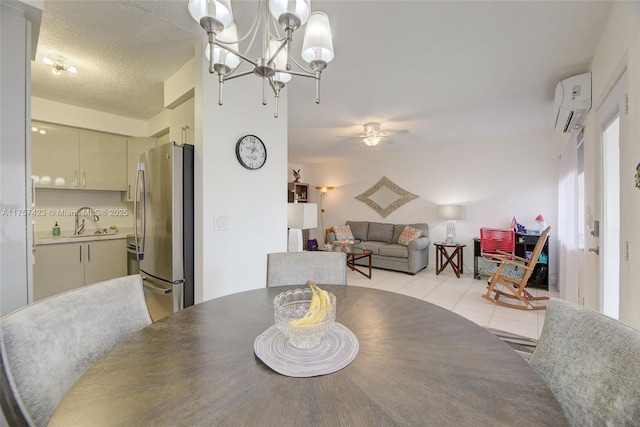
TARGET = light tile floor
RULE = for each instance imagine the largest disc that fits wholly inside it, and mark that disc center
(462, 296)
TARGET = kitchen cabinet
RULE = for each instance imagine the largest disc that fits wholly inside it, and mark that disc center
(55, 156)
(103, 161)
(61, 267)
(181, 123)
(65, 157)
(135, 147)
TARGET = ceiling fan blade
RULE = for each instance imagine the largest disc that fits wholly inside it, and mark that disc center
(396, 131)
(352, 136)
(388, 141)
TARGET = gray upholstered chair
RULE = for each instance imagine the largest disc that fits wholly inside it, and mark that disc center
(47, 345)
(295, 268)
(591, 363)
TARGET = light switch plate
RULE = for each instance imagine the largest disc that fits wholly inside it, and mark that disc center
(221, 223)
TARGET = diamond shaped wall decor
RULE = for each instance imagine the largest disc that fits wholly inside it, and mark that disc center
(385, 197)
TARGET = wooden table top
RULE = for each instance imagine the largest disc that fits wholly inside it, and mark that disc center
(418, 364)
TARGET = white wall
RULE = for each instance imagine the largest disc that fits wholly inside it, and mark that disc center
(495, 179)
(619, 48)
(253, 201)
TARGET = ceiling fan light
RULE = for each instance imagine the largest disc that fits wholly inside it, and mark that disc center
(72, 70)
(297, 8)
(217, 9)
(372, 141)
(318, 43)
(47, 60)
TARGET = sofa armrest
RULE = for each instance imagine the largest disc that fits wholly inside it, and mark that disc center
(418, 244)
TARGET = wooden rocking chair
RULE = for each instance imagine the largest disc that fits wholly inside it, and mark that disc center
(514, 272)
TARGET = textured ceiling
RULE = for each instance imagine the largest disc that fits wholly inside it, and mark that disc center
(446, 71)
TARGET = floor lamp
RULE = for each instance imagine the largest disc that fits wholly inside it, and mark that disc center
(451, 213)
(300, 216)
(323, 193)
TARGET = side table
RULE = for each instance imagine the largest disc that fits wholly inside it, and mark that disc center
(455, 259)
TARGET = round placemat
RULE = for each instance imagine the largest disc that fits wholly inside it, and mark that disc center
(338, 348)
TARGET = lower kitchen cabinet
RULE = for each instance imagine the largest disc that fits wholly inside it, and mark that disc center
(62, 267)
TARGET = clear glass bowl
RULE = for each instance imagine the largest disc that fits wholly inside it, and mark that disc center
(293, 304)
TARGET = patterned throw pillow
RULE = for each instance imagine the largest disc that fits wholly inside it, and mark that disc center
(409, 234)
(343, 232)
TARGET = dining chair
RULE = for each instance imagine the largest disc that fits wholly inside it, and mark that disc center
(514, 273)
(295, 268)
(591, 363)
(46, 346)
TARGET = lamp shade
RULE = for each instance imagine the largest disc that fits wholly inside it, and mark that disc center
(451, 212)
(280, 61)
(299, 8)
(218, 9)
(318, 43)
(324, 189)
(223, 56)
(302, 216)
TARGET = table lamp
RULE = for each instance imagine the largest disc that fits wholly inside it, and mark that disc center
(451, 213)
(300, 216)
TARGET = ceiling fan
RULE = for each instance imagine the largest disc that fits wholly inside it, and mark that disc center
(373, 135)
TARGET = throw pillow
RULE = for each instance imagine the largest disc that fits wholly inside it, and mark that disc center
(409, 234)
(343, 232)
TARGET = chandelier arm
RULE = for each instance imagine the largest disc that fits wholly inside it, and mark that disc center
(273, 56)
(235, 76)
(235, 52)
(298, 73)
(307, 70)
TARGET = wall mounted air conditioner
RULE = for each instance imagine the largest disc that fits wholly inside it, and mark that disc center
(572, 102)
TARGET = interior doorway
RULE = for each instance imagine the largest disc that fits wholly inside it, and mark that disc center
(611, 119)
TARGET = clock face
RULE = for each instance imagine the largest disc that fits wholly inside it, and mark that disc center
(251, 152)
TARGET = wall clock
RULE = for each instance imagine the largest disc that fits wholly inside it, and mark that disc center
(251, 152)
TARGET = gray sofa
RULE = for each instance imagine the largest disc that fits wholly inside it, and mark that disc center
(382, 238)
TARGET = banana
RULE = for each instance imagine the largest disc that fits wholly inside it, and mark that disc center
(318, 307)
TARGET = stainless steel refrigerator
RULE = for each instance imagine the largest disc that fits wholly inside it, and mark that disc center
(163, 227)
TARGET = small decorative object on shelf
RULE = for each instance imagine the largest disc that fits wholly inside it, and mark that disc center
(296, 175)
(542, 224)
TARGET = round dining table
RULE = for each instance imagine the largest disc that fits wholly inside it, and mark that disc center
(418, 365)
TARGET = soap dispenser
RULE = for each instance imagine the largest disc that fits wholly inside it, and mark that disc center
(56, 229)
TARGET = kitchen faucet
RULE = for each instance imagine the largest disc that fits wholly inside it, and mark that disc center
(80, 227)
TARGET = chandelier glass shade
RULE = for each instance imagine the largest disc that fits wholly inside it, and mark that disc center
(274, 66)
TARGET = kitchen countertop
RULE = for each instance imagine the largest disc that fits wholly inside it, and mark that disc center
(46, 238)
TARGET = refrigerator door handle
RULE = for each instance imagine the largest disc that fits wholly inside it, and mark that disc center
(140, 176)
(156, 289)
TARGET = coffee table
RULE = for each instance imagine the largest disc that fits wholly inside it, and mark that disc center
(354, 254)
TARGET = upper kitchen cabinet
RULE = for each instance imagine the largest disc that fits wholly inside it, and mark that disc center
(103, 161)
(135, 148)
(64, 157)
(55, 156)
(181, 123)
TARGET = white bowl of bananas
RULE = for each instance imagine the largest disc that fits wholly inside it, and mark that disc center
(305, 315)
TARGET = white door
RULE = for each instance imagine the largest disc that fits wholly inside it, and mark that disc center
(612, 131)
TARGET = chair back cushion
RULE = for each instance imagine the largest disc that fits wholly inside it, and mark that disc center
(46, 346)
(591, 362)
(295, 268)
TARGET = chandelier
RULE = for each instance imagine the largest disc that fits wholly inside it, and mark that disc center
(274, 67)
